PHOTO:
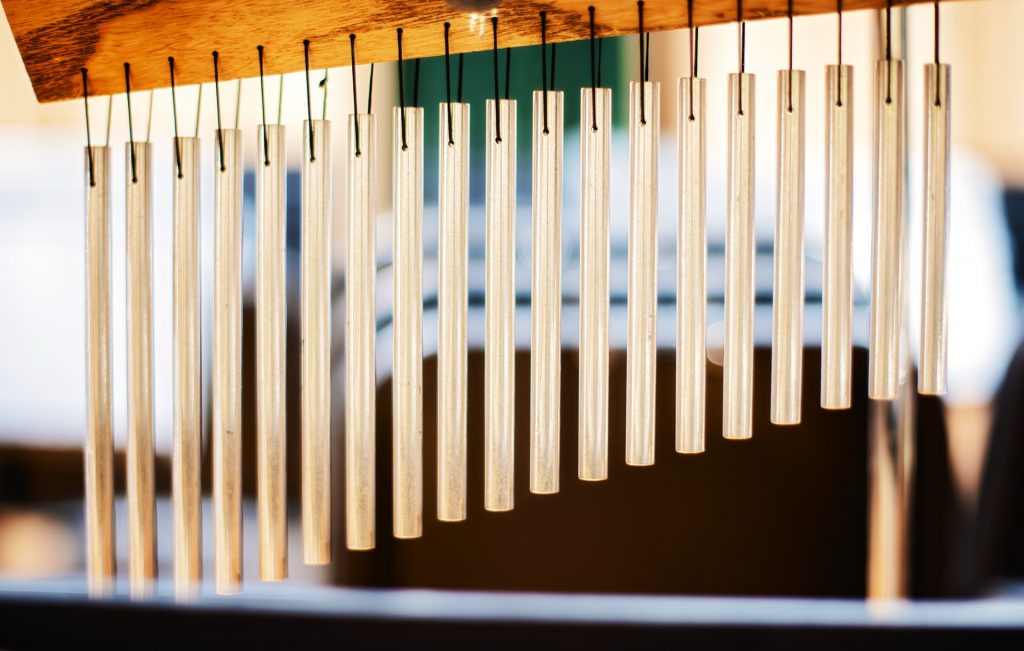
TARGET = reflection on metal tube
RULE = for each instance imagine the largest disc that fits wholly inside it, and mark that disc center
(546, 275)
(932, 380)
(691, 253)
(887, 236)
(271, 319)
(500, 292)
(738, 360)
(99, 442)
(595, 170)
(360, 334)
(788, 309)
(642, 305)
(407, 397)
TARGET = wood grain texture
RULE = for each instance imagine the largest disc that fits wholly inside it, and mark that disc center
(59, 37)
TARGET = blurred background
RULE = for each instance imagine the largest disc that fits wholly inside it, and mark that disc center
(799, 493)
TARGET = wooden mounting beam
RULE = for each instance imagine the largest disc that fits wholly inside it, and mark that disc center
(59, 37)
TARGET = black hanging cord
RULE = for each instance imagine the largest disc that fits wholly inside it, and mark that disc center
(888, 52)
(839, 54)
(355, 94)
(544, 67)
(789, 85)
(743, 53)
(174, 116)
(497, 106)
(369, 93)
(938, 76)
(216, 95)
(131, 135)
(309, 101)
(593, 71)
(88, 138)
(416, 83)
(693, 52)
(401, 91)
(640, 21)
(263, 111)
(508, 70)
(448, 83)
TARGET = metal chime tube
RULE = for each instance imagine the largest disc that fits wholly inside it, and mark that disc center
(837, 290)
(453, 295)
(642, 308)
(887, 238)
(934, 308)
(360, 334)
(788, 294)
(316, 341)
(271, 322)
(691, 252)
(407, 396)
(595, 171)
(500, 292)
(738, 354)
(227, 363)
(188, 413)
(546, 292)
(99, 442)
(139, 268)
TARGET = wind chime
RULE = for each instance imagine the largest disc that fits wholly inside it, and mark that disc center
(886, 312)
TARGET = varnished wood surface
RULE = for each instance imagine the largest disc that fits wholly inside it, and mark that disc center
(59, 37)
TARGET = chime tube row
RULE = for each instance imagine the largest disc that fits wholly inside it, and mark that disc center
(360, 334)
(691, 253)
(186, 495)
(934, 308)
(271, 321)
(546, 280)
(139, 273)
(642, 297)
(887, 237)
(788, 294)
(738, 353)
(837, 290)
(407, 383)
(316, 341)
(595, 172)
(227, 363)
(500, 308)
(99, 442)
(453, 295)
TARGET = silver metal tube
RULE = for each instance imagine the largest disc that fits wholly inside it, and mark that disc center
(360, 334)
(546, 292)
(691, 254)
(99, 441)
(453, 296)
(227, 363)
(788, 295)
(271, 322)
(738, 353)
(407, 382)
(642, 307)
(887, 237)
(934, 308)
(186, 487)
(500, 295)
(837, 289)
(317, 240)
(595, 173)
(139, 272)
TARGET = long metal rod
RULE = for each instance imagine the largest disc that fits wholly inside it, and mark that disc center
(360, 334)
(691, 253)
(788, 294)
(99, 441)
(934, 307)
(139, 265)
(186, 488)
(642, 308)
(317, 240)
(887, 238)
(271, 322)
(546, 292)
(837, 290)
(500, 292)
(407, 385)
(595, 173)
(227, 364)
(738, 359)
(452, 345)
